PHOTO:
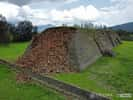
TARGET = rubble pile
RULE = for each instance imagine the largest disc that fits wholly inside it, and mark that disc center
(48, 51)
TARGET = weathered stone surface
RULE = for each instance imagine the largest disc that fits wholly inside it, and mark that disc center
(85, 50)
(48, 51)
(66, 49)
(106, 40)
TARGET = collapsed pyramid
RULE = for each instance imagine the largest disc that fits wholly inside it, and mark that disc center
(66, 49)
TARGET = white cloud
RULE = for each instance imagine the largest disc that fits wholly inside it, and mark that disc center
(85, 13)
(119, 12)
(8, 10)
(25, 2)
(44, 16)
(71, 1)
(81, 13)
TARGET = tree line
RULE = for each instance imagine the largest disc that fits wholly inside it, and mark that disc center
(125, 35)
(20, 32)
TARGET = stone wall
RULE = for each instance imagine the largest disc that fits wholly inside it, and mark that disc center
(66, 49)
(85, 50)
(86, 47)
(106, 40)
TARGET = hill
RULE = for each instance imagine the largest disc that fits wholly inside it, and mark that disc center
(43, 27)
(126, 27)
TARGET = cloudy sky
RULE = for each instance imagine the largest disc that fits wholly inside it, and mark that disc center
(40, 12)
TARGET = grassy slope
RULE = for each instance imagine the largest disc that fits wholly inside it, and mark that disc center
(107, 75)
(11, 90)
(12, 51)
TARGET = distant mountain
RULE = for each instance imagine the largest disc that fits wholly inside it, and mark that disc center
(44, 27)
(126, 27)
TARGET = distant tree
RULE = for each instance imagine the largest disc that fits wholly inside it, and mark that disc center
(24, 29)
(13, 32)
(89, 25)
(35, 30)
(2, 18)
(4, 31)
(11, 28)
(125, 35)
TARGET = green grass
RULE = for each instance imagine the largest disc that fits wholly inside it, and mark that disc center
(13, 51)
(11, 90)
(108, 75)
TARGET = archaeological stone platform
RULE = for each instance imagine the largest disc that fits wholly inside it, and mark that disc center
(67, 49)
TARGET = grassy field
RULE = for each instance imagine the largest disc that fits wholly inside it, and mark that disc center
(12, 51)
(11, 90)
(108, 76)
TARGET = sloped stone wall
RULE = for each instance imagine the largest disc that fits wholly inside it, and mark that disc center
(85, 50)
(106, 40)
(103, 40)
(114, 38)
(66, 49)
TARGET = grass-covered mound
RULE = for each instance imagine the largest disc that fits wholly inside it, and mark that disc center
(11, 90)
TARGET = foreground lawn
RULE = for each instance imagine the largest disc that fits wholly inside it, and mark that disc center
(12, 51)
(11, 90)
(108, 76)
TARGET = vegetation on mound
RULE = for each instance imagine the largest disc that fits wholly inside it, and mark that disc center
(11, 90)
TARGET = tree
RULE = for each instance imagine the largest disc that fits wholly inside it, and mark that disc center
(2, 18)
(35, 30)
(125, 35)
(24, 29)
(4, 32)
(13, 32)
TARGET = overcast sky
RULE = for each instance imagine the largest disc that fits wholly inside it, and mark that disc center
(40, 12)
